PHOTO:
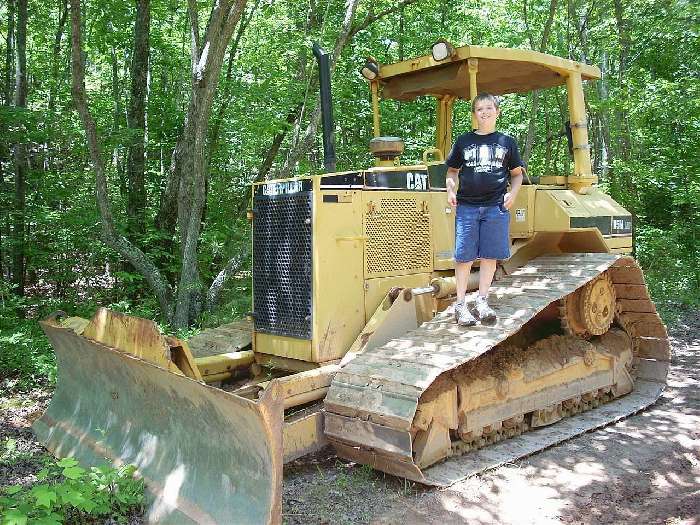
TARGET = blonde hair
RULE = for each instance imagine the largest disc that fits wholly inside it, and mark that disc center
(485, 97)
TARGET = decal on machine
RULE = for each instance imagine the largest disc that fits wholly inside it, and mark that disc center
(416, 181)
(520, 215)
(286, 187)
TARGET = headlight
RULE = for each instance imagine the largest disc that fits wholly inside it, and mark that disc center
(371, 69)
(442, 49)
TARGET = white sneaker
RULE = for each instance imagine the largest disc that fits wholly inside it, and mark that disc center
(457, 307)
(464, 316)
(483, 311)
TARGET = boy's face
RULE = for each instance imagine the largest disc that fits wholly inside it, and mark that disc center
(486, 114)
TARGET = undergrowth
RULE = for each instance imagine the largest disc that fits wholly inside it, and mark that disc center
(65, 492)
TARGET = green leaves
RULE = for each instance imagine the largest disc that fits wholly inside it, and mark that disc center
(44, 495)
(69, 493)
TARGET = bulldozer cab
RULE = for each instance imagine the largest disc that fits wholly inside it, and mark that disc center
(451, 74)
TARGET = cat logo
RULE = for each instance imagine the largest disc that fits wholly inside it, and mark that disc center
(282, 188)
(416, 181)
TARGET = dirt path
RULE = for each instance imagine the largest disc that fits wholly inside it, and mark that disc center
(644, 470)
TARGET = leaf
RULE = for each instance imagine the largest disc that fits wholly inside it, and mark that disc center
(11, 445)
(67, 462)
(14, 517)
(42, 474)
(53, 519)
(73, 472)
(13, 489)
(73, 497)
(44, 495)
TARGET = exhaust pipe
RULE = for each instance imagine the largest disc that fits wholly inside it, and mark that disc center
(324, 73)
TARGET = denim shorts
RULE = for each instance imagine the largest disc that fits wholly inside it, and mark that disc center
(481, 232)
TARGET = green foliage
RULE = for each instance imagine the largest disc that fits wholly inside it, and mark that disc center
(644, 114)
(26, 354)
(68, 493)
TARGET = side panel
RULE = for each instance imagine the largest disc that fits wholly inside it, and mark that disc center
(338, 297)
(554, 209)
(522, 214)
(397, 225)
(443, 226)
(291, 347)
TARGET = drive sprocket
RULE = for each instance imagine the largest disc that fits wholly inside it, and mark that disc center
(590, 310)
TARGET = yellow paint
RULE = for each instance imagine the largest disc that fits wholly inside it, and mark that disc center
(443, 223)
(376, 289)
(559, 65)
(338, 296)
(522, 213)
(224, 363)
(374, 86)
(302, 435)
(444, 124)
(583, 176)
(473, 89)
(624, 241)
(483, 393)
(282, 346)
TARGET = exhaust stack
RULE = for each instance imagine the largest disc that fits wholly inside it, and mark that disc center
(324, 73)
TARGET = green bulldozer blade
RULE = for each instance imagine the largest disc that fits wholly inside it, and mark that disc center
(206, 456)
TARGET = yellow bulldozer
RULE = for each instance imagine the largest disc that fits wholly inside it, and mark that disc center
(351, 342)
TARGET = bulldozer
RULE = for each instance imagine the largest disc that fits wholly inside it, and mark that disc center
(351, 342)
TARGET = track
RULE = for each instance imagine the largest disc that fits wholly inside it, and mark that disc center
(372, 405)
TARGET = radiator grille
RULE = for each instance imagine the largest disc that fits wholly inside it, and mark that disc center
(282, 264)
(398, 237)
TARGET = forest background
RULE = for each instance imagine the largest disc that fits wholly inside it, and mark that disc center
(126, 183)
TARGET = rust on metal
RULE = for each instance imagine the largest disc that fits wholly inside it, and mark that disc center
(207, 456)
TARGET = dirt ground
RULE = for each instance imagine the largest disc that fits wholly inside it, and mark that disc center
(643, 470)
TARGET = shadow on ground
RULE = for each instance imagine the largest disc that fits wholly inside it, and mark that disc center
(645, 469)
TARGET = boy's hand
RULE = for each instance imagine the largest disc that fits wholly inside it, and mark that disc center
(451, 198)
(508, 200)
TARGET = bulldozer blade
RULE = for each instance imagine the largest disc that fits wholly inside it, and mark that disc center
(206, 456)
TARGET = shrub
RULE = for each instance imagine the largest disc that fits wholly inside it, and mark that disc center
(69, 493)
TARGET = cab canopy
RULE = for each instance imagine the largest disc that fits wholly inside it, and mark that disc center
(496, 70)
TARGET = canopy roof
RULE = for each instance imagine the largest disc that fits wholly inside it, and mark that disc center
(500, 71)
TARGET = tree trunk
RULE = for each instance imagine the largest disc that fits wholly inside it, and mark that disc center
(136, 122)
(604, 131)
(56, 54)
(20, 153)
(10, 53)
(184, 197)
(625, 145)
(110, 234)
(226, 97)
(530, 138)
(303, 141)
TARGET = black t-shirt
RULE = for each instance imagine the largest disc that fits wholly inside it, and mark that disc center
(485, 162)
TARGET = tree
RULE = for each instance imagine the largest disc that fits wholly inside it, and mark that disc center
(20, 153)
(184, 195)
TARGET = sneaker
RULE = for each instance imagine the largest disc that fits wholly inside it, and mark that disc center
(483, 311)
(464, 316)
(456, 308)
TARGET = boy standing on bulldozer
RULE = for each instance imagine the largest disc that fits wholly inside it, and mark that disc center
(478, 168)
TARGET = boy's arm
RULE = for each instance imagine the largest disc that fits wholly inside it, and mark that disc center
(451, 185)
(516, 180)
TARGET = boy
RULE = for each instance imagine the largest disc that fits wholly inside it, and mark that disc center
(483, 160)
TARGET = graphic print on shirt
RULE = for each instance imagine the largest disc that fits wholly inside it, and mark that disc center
(484, 157)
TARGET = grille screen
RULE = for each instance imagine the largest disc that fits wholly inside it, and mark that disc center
(282, 264)
(398, 237)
